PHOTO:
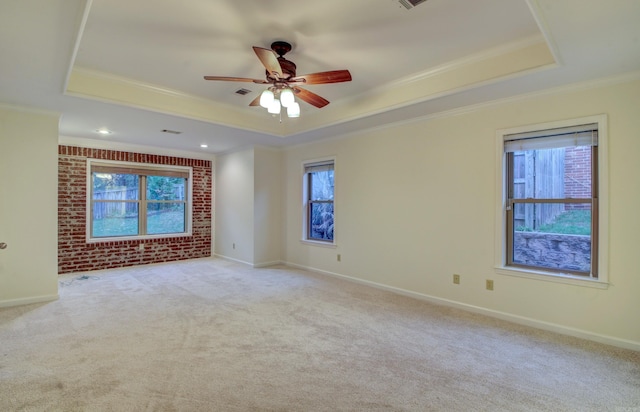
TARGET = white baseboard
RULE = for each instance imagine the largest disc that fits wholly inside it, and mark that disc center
(232, 259)
(28, 301)
(255, 265)
(267, 264)
(522, 320)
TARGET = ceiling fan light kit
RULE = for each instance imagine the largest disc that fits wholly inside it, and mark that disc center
(281, 76)
(274, 99)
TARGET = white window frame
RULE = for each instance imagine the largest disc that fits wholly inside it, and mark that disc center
(305, 202)
(145, 166)
(603, 206)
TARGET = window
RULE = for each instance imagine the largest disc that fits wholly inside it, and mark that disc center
(137, 200)
(318, 189)
(551, 199)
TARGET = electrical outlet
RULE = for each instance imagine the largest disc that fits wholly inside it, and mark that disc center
(339, 257)
(141, 246)
(489, 284)
(456, 279)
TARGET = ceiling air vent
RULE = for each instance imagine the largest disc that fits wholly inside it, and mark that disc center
(243, 92)
(409, 4)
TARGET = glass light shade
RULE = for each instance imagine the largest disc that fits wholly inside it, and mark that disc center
(274, 107)
(286, 97)
(293, 110)
(266, 98)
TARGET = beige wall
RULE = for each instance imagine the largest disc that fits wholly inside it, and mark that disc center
(234, 182)
(415, 203)
(268, 206)
(248, 210)
(28, 206)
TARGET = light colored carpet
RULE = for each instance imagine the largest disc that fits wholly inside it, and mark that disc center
(212, 335)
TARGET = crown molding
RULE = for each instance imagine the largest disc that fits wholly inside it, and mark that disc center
(569, 88)
(126, 147)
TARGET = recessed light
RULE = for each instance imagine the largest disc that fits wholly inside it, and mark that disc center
(104, 131)
(204, 146)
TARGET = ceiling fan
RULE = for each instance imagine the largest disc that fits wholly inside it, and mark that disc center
(281, 75)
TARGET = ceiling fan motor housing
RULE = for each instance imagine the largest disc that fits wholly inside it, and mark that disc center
(288, 67)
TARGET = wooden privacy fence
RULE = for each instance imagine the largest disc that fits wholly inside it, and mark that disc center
(538, 174)
(118, 202)
(111, 202)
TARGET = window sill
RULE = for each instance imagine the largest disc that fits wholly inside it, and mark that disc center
(136, 238)
(552, 277)
(318, 243)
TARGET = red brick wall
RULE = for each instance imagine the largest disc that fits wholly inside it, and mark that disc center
(75, 255)
(577, 175)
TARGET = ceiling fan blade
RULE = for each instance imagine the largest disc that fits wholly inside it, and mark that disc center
(256, 101)
(334, 76)
(310, 97)
(269, 61)
(235, 79)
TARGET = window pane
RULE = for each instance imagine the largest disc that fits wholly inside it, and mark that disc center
(115, 219)
(115, 186)
(165, 218)
(165, 188)
(556, 236)
(321, 221)
(552, 173)
(321, 185)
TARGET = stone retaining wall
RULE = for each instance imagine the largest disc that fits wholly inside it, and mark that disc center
(572, 252)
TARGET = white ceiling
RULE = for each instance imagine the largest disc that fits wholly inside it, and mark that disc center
(137, 67)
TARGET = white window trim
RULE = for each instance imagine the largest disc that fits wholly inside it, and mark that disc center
(150, 166)
(500, 267)
(305, 209)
